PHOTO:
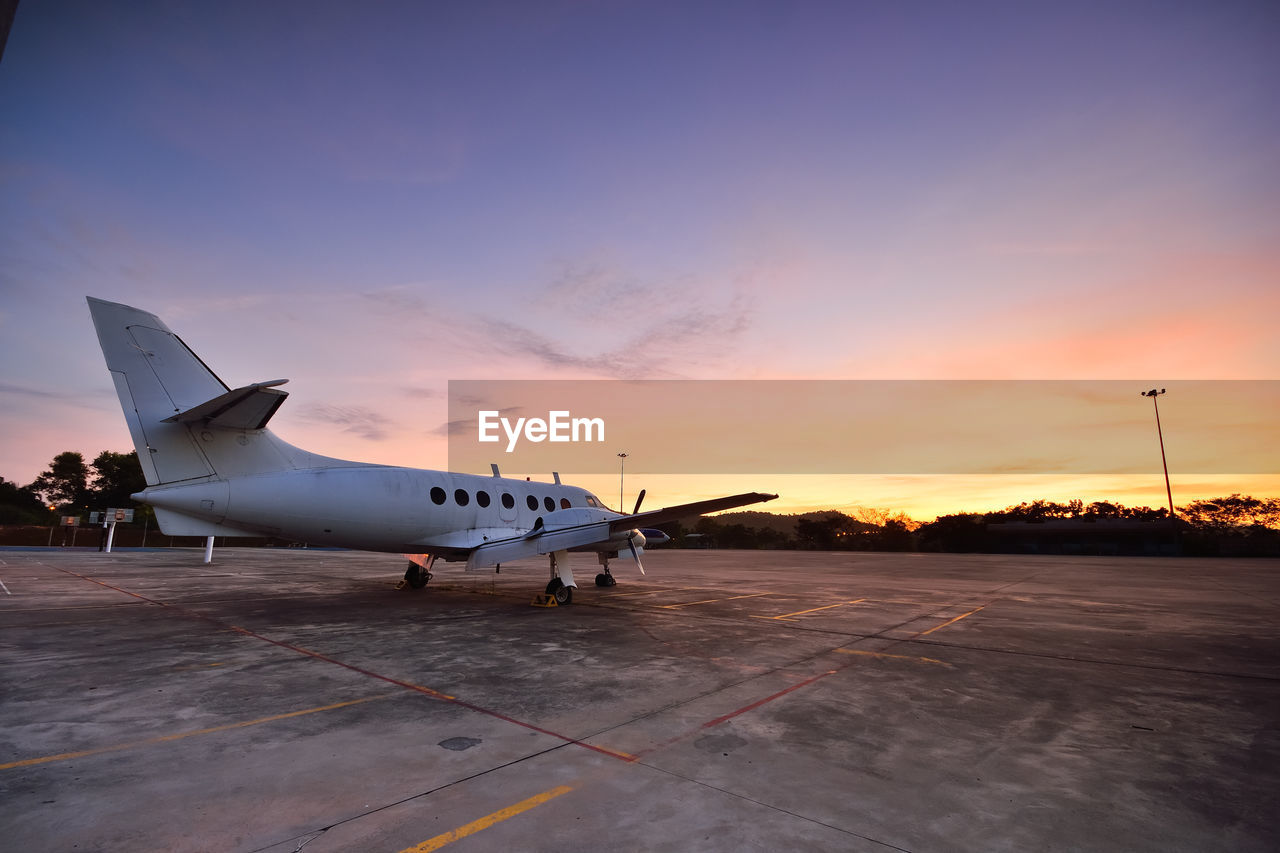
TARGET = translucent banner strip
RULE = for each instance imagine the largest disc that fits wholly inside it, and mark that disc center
(864, 426)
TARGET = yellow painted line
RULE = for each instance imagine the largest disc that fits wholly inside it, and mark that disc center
(179, 736)
(886, 655)
(950, 621)
(813, 610)
(487, 821)
(714, 600)
(653, 591)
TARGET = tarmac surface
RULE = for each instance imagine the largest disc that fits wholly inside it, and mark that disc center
(288, 700)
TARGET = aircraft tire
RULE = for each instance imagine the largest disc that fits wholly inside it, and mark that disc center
(416, 576)
(564, 595)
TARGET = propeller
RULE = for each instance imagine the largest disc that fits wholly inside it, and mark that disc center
(632, 545)
(635, 555)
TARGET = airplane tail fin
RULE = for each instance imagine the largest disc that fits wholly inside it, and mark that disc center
(185, 422)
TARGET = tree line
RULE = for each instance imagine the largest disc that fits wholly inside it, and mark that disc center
(1235, 524)
(71, 486)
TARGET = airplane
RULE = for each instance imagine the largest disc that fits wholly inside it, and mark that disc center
(213, 468)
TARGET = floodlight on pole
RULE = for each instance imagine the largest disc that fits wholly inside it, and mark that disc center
(1153, 393)
(622, 473)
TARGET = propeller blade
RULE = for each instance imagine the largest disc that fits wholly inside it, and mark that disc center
(634, 555)
(639, 500)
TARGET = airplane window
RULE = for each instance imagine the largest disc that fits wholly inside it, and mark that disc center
(564, 503)
(461, 497)
(507, 500)
(482, 498)
(437, 495)
(591, 501)
(532, 502)
(549, 503)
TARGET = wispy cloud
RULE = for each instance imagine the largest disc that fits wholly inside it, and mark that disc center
(359, 421)
(420, 393)
(400, 299)
(38, 393)
(461, 426)
(601, 321)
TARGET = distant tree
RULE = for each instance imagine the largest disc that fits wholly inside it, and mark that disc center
(65, 482)
(769, 538)
(1103, 509)
(1038, 510)
(20, 505)
(894, 535)
(115, 477)
(674, 529)
(1234, 511)
(833, 531)
(957, 534)
(877, 517)
(1144, 513)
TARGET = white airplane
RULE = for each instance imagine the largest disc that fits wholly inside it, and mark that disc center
(214, 469)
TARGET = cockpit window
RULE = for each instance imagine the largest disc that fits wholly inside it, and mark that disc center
(591, 501)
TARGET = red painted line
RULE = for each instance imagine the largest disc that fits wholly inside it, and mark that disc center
(766, 700)
(408, 685)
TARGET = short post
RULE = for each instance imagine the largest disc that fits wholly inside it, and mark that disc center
(111, 535)
(208, 550)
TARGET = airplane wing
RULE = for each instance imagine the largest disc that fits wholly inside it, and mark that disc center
(547, 539)
(671, 513)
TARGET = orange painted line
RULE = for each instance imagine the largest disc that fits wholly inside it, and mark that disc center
(653, 591)
(714, 600)
(813, 610)
(949, 622)
(181, 735)
(885, 655)
(487, 821)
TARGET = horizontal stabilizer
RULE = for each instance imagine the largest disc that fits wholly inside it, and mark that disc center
(249, 407)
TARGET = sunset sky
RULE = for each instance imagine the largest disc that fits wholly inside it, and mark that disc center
(372, 199)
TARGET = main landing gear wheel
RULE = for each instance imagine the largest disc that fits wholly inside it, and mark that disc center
(562, 594)
(416, 576)
(606, 579)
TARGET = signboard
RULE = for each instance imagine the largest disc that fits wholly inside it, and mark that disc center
(71, 521)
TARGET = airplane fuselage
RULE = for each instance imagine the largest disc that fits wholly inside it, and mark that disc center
(376, 508)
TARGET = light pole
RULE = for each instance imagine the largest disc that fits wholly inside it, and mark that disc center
(1153, 393)
(622, 474)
